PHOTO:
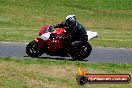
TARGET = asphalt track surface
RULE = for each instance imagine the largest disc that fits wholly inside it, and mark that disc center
(100, 55)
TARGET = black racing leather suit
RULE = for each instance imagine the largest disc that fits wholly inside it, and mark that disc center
(76, 32)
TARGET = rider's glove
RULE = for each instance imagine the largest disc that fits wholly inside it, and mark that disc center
(51, 28)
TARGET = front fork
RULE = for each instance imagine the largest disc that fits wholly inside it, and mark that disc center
(40, 43)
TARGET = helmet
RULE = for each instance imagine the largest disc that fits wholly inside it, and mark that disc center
(70, 16)
(70, 20)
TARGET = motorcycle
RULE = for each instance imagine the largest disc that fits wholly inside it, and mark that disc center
(52, 42)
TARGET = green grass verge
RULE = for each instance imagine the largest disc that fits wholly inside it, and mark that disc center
(49, 73)
(20, 20)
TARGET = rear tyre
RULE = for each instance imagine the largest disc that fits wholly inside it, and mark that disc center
(32, 49)
(80, 50)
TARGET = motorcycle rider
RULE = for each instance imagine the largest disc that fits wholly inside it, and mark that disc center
(75, 31)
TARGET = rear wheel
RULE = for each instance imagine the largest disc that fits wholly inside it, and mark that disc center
(80, 50)
(32, 49)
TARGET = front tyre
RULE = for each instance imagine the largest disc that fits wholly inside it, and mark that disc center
(80, 50)
(32, 49)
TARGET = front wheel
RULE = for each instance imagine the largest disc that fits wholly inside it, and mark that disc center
(80, 50)
(32, 49)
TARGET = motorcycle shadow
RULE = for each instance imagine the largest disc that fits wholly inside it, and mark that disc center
(61, 58)
(57, 58)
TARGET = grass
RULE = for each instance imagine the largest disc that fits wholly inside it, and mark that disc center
(47, 73)
(20, 20)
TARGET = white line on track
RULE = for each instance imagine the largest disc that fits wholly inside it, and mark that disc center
(14, 42)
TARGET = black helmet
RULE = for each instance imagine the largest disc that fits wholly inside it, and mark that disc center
(70, 20)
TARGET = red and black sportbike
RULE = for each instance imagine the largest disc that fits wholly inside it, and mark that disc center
(53, 42)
